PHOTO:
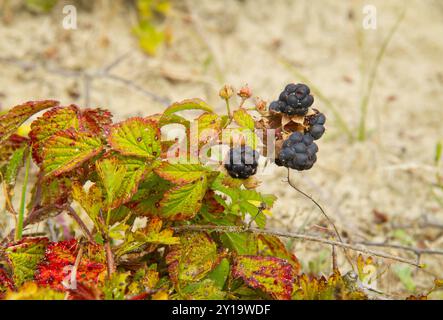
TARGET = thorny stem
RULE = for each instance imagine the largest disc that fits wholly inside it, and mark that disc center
(21, 212)
(324, 214)
(109, 258)
(228, 108)
(83, 227)
(293, 235)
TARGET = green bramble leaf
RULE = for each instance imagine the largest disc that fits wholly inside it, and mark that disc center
(146, 201)
(241, 243)
(272, 275)
(240, 136)
(189, 104)
(209, 127)
(10, 121)
(67, 150)
(193, 259)
(335, 287)
(24, 256)
(115, 287)
(183, 202)
(244, 119)
(173, 119)
(52, 121)
(180, 173)
(152, 235)
(91, 201)
(206, 289)
(136, 137)
(121, 176)
(112, 175)
(220, 273)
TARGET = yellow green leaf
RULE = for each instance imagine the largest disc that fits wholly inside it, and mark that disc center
(24, 256)
(30, 291)
(184, 201)
(180, 173)
(137, 137)
(67, 150)
(189, 104)
(244, 119)
(193, 259)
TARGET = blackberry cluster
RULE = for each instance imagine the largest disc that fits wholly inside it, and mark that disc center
(317, 125)
(242, 162)
(299, 152)
(294, 100)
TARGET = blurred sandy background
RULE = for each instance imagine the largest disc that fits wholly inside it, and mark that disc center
(266, 45)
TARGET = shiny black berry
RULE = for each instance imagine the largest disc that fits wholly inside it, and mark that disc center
(298, 152)
(317, 128)
(295, 100)
(242, 162)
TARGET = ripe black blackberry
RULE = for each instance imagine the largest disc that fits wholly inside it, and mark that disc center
(242, 162)
(299, 152)
(317, 126)
(294, 100)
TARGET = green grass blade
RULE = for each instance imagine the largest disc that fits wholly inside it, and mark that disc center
(21, 213)
(372, 76)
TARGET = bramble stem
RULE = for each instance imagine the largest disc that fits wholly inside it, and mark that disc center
(228, 108)
(109, 258)
(21, 212)
(293, 235)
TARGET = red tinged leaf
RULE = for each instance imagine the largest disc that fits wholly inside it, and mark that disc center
(275, 247)
(52, 121)
(6, 282)
(10, 121)
(97, 121)
(60, 257)
(10, 145)
(213, 206)
(272, 275)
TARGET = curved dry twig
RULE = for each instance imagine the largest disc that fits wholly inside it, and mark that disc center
(324, 214)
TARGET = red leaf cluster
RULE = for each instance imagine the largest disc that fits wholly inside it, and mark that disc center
(60, 257)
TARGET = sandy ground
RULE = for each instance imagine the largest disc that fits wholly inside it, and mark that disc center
(239, 42)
